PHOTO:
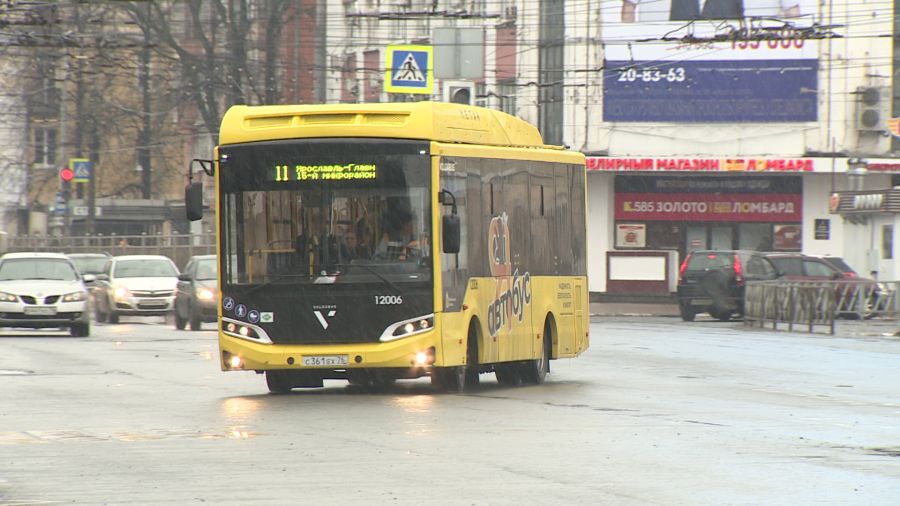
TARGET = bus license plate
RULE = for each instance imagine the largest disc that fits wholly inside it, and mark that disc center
(324, 360)
(40, 310)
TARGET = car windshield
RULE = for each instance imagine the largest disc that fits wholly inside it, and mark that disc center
(206, 269)
(37, 268)
(712, 260)
(89, 265)
(146, 268)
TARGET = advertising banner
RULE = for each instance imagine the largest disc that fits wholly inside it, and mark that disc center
(724, 164)
(739, 207)
(710, 61)
(631, 235)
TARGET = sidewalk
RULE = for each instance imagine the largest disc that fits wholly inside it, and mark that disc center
(633, 309)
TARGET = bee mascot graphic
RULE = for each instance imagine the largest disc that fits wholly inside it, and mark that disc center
(513, 290)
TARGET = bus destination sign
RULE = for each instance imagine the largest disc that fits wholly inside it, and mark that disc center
(331, 172)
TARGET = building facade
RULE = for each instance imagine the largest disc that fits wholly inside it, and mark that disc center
(730, 125)
(721, 124)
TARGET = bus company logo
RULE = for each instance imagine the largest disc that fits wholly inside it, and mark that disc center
(513, 291)
(323, 312)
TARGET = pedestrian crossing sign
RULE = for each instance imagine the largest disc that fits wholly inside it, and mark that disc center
(410, 69)
(82, 168)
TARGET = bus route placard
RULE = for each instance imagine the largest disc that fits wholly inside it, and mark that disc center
(325, 172)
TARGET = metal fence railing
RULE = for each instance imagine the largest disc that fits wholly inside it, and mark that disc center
(179, 247)
(815, 305)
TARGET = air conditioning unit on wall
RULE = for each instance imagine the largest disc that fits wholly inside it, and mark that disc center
(872, 108)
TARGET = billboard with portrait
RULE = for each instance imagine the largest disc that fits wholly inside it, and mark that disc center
(710, 60)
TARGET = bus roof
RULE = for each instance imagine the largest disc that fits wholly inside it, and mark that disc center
(434, 121)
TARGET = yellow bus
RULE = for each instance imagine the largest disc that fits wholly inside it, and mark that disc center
(376, 242)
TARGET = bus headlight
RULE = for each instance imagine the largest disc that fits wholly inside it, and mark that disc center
(244, 330)
(408, 328)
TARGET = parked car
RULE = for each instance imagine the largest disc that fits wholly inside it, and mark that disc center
(855, 296)
(197, 294)
(713, 281)
(43, 290)
(839, 264)
(89, 263)
(135, 285)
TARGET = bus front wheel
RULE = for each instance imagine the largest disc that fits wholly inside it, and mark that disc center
(460, 378)
(278, 382)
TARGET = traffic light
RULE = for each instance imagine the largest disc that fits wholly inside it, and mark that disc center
(65, 181)
(459, 92)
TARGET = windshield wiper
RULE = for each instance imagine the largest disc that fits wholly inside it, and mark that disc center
(377, 274)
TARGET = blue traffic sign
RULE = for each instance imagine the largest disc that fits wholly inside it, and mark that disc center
(409, 69)
(82, 168)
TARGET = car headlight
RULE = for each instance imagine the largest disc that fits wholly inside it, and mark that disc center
(121, 292)
(74, 297)
(7, 297)
(205, 294)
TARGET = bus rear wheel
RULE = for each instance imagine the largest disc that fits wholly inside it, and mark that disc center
(535, 371)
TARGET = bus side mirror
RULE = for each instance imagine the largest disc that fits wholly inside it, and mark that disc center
(450, 233)
(193, 201)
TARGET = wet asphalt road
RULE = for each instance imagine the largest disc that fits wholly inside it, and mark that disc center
(657, 412)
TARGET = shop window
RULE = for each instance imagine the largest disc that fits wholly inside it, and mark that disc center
(755, 236)
(887, 242)
(663, 235)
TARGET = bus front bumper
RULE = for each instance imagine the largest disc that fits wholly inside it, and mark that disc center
(417, 351)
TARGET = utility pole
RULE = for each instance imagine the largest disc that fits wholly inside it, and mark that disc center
(144, 136)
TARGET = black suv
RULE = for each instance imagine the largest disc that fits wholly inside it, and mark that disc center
(713, 281)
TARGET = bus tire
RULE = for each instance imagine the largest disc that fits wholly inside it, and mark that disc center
(278, 382)
(535, 371)
(461, 378)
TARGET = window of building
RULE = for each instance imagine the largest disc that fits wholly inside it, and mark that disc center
(887, 242)
(508, 96)
(44, 146)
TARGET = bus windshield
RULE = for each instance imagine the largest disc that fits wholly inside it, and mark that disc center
(324, 213)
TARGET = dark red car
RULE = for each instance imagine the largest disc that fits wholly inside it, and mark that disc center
(855, 296)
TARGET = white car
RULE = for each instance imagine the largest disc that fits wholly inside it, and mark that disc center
(43, 290)
(135, 285)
